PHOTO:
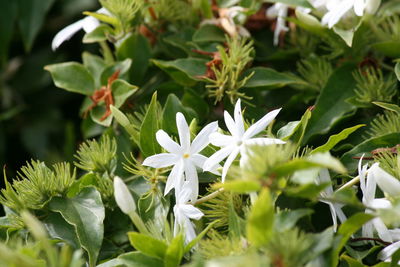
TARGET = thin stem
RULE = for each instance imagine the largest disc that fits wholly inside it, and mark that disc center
(370, 239)
(208, 197)
(138, 222)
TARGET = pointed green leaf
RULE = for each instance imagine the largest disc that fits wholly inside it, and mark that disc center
(388, 106)
(86, 213)
(270, 78)
(72, 76)
(174, 253)
(149, 128)
(148, 245)
(171, 107)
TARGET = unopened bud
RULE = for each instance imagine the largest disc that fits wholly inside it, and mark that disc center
(123, 196)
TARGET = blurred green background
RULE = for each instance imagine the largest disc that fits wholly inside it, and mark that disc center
(37, 120)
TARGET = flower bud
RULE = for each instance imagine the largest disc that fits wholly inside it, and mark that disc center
(123, 196)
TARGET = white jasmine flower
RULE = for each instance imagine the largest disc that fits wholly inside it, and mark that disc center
(123, 196)
(385, 181)
(232, 145)
(335, 208)
(88, 24)
(368, 188)
(184, 157)
(278, 11)
(339, 8)
(184, 211)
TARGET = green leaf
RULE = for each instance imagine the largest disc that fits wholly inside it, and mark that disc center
(184, 71)
(95, 65)
(86, 213)
(295, 130)
(388, 106)
(103, 17)
(335, 139)
(346, 229)
(331, 105)
(293, 3)
(31, 16)
(137, 48)
(8, 14)
(239, 186)
(173, 255)
(209, 33)
(121, 91)
(287, 219)
(148, 129)
(58, 228)
(134, 258)
(397, 70)
(97, 35)
(346, 35)
(121, 66)
(260, 220)
(171, 107)
(366, 147)
(72, 76)
(388, 48)
(148, 245)
(270, 78)
(192, 243)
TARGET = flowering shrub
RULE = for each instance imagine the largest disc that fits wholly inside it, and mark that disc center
(221, 133)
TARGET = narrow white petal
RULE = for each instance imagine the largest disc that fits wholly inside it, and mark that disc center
(370, 188)
(228, 163)
(359, 6)
(324, 177)
(183, 131)
(191, 212)
(167, 143)
(202, 139)
(190, 233)
(261, 124)
(175, 178)
(388, 251)
(239, 118)
(339, 212)
(90, 23)
(263, 141)
(161, 160)
(66, 33)
(230, 124)
(192, 180)
(123, 196)
(217, 157)
(218, 139)
(368, 229)
(380, 203)
(385, 181)
(334, 217)
(199, 160)
(382, 230)
(183, 196)
(362, 170)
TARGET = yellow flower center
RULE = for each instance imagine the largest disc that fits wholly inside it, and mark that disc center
(186, 155)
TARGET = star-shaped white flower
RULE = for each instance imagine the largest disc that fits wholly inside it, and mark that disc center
(88, 24)
(278, 11)
(184, 157)
(368, 188)
(232, 145)
(184, 211)
(335, 208)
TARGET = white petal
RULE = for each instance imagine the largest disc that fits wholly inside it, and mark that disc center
(370, 189)
(324, 177)
(218, 139)
(192, 179)
(339, 212)
(263, 141)
(333, 214)
(89, 24)
(183, 131)
(228, 163)
(368, 229)
(175, 178)
(199, 161)
(359, 6)
(123, 196)
(217, 157)
(66, 33)
(362, 170)
(230, 124)
(261, 124)
(183, 196)
(202, 139)
(380, 203)
(191, 212)
(190, 233)
(388, 251)
(167, 143)
(161, 160)
(239, 118)
(382, 230)
(385, 181)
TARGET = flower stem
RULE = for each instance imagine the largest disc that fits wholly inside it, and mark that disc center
(350, 183)
(138, 222)
(208, 197)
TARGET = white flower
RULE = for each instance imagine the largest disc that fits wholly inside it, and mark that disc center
(232, 145)
(185, 211)
(184, 157)
(88, 24)
(335, 208)
(123, 196)
(339, 8)
(368, 189)
(385, 181)
(278, 11)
